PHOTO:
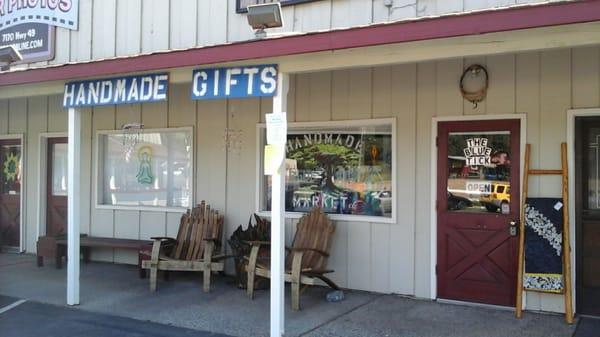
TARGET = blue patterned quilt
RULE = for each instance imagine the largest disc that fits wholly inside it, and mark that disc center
(543, 245)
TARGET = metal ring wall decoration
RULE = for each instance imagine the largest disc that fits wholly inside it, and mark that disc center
(476, 96)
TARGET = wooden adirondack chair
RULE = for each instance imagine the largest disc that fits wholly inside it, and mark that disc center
(306, 260)
(195, 248)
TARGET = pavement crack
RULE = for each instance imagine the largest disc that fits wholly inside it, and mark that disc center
(335, 318)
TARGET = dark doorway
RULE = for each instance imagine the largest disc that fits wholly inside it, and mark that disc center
(587, 208)
(10, 193)
(56, 195)
(478, 169)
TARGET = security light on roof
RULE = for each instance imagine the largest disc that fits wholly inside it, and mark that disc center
(264, 16)
(8, 55)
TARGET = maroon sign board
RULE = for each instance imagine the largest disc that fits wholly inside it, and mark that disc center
(35, 41)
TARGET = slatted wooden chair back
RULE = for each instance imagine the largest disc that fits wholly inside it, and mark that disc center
(196, 226)
(183, 235)
(315, 230)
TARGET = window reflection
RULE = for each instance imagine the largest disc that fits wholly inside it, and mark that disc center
(158, 172)
(593, 170)
(59, 169)
(342, 169)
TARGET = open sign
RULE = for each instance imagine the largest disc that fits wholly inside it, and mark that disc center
(483, 187)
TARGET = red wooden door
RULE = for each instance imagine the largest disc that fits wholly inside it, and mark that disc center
(478, 198)
(10, 193)
(56, 206)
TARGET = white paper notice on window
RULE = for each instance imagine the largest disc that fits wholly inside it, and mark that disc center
(276, 128)
(558, 205)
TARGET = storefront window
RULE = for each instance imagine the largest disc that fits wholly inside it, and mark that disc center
(346, 168)
(156, 171)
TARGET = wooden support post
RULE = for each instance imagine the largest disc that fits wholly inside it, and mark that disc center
(521, 262)
(74, 206)
(278, 220)
(566, 236)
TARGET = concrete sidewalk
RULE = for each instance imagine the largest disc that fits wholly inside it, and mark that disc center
(588, 327)
(116, 290)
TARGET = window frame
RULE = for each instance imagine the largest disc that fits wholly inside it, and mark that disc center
(261, 141)
(283, 3)
(98, 170)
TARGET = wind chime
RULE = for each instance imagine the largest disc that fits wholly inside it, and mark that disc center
(232, 140)
(132, 134)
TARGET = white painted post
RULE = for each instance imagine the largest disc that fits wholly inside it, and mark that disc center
(74, 205)
(278, 220)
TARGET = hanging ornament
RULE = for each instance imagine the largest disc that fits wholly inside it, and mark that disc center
(232, 139)
(131, 137)
(11, 166)
(145, 176)
(474, 84)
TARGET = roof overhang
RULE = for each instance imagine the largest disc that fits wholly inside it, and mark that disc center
(420, 31)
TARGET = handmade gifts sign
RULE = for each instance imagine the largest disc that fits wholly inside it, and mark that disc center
(120, 90)
(235, 82)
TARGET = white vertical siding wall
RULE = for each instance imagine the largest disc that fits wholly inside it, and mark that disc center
(129, 27)
(370, 256)
(109, 28)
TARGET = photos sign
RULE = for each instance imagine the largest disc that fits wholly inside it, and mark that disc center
(60, 13)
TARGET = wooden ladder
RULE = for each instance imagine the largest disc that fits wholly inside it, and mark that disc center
(566, 240)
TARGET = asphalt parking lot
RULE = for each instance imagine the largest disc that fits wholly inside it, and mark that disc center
(32, 319)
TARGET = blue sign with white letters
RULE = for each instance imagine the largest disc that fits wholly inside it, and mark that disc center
(120, 90)
(235, 82)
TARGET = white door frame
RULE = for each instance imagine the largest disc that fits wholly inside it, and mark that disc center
(434, 182)
(43, 177)
(571, 115)
(22, 229)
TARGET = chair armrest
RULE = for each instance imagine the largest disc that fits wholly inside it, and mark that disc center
(221, 256)
(310, 250)
(162, 238)
(258, 243)
(215, 240)
(162, 245)
(263, 243)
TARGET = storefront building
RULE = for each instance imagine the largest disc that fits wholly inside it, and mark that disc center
(422, 183)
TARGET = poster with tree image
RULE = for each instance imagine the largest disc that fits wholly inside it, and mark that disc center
(342, 172)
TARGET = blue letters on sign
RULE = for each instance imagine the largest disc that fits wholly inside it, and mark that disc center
(121, 90)
(235, 82)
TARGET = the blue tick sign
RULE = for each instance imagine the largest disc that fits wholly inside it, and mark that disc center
(235, 82)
